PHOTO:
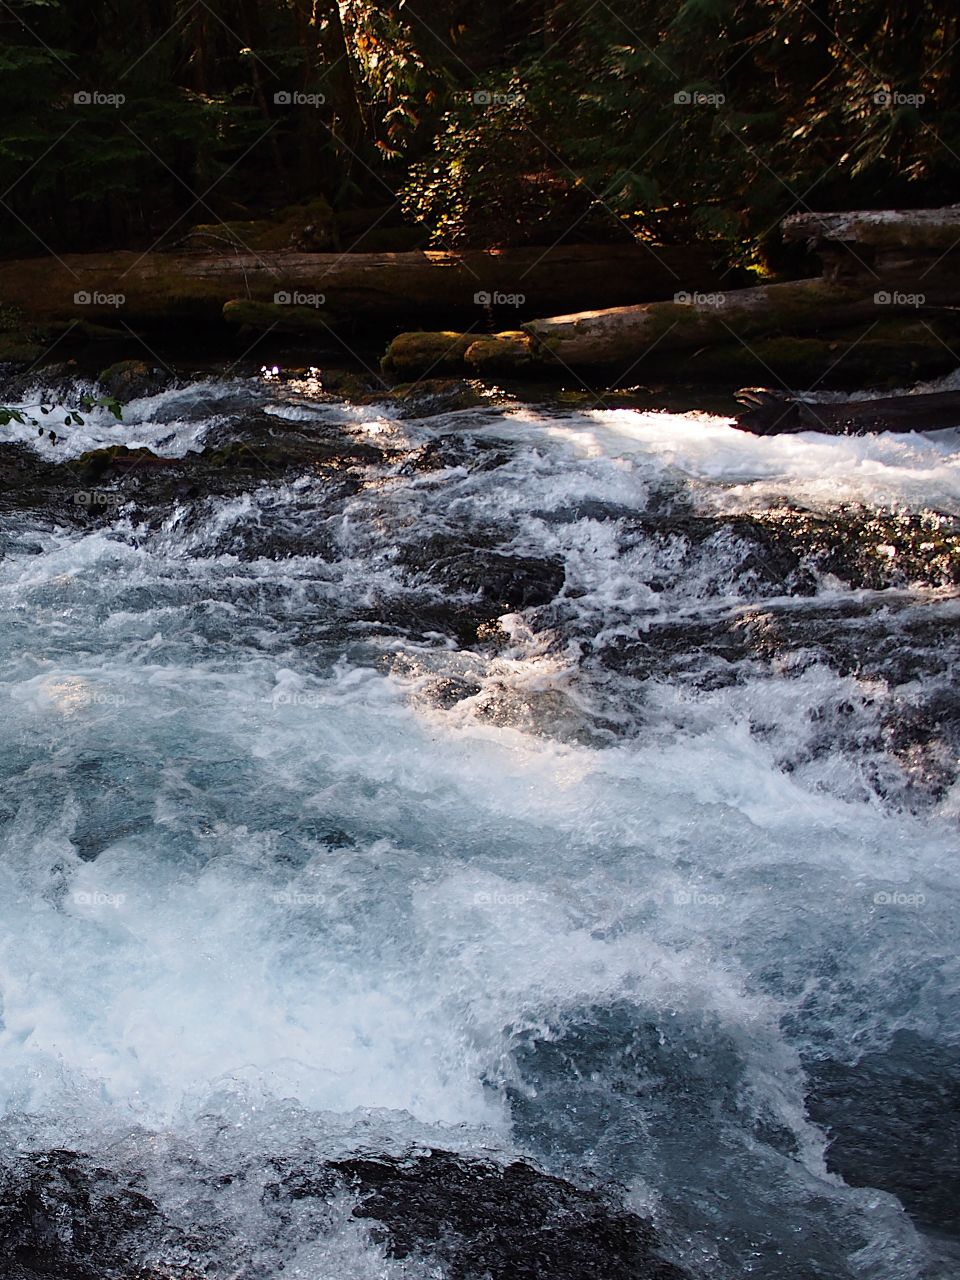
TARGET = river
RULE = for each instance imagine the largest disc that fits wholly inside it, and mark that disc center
(529, 783)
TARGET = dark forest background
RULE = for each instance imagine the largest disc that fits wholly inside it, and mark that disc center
(464, 122)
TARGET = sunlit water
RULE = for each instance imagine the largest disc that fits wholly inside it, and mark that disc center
(265, 881)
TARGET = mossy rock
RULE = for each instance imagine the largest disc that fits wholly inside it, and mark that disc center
(18, 350)
(95, 464)
(278, 316)
(435, 395)
(422, 352)
(132, 379)
(509, 350)
(350, 385)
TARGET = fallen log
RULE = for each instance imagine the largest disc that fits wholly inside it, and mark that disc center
(621, 335)
(769, 412)
(878, 228)
(171, 288)
(913, 251)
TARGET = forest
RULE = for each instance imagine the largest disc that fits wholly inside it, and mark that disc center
(448, 124)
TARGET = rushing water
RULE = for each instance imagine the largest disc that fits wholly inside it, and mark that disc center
(650, 879)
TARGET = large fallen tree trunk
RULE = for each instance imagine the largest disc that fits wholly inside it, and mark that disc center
(158, 288)
(620, 335)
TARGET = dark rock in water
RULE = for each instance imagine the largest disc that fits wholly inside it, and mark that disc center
(502, 581)
(96, 485)
(919, 735)
(500, 578)
(768, 412)
(486, 1222)
(431, 396)
(472, 453)
(61, 380)
(133, 379)
(63, 1216)
(465, 587)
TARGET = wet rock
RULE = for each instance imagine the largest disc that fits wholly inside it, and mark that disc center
(59, 379)
(500, 580)
(907, 742)
(503, 581)
(486, 1222)
(876, 549)
(64, 1216)
(133, 379)
(773, 412)
(785, 551)
(472, 453)
(436, 395)
(97, 484)
(349, 384)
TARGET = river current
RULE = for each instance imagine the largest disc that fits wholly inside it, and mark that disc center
(570, 786)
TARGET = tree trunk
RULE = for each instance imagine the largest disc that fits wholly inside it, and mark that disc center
(473, 287)
(621, 335)
(921, 229)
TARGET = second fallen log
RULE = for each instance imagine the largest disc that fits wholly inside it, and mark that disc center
(619, 335)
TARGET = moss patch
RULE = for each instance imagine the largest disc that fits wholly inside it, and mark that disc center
(509, 350)
(418, 353)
